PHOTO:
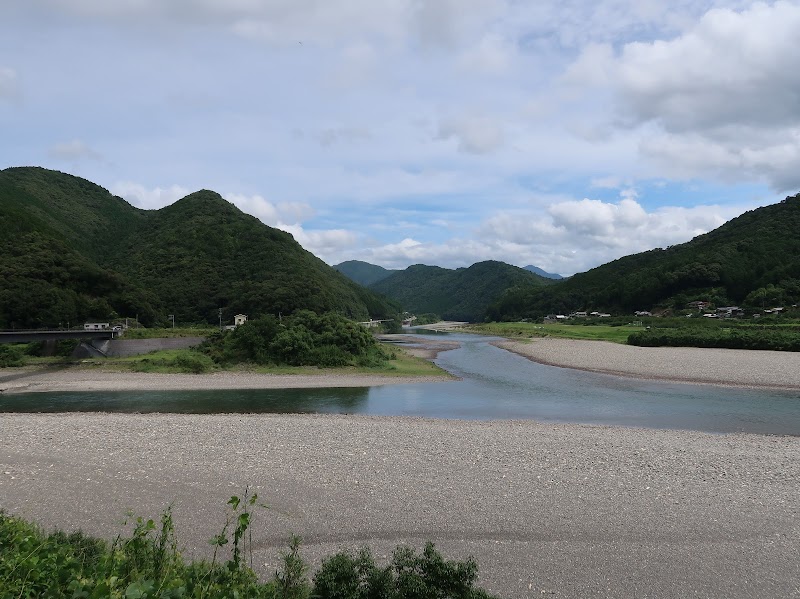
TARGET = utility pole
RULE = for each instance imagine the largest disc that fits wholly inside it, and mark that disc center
(220, 319)
(172, 318)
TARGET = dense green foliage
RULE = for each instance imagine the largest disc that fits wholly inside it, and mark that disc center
(303, 339)
(363, 273)
(461, 294)
(775, 339)
(148, 565)
(11, 355)
(70, 252)
(752, 261)
(426, 576)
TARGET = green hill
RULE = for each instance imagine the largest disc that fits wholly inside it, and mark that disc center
(71, 251)
(752, 260)
(363, 273)
(461, 294)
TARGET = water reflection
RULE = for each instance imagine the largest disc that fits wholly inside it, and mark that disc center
(276, 401)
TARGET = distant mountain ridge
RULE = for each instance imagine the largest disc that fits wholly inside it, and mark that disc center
(70, 250)
(542, 273)
(363, 273)
(461, 294)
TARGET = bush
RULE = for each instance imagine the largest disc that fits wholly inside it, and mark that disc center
(148, 565)
(11, 355)
(429, 575)
(303, 339)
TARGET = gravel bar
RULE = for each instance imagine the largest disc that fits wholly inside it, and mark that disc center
(26, 380)
(732, 367)
(552, 510)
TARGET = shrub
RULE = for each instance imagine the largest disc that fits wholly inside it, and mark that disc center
(148, 565)
(11, 355)
(409, 574)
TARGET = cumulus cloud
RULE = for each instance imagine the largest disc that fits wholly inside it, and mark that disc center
(580, 234)
(8, 83)
(148, 198)
(473, 134)
(722, 98)
(331, 245)
(491, 55)
(73, 150)
(272, 214)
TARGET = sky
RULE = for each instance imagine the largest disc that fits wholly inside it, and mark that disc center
(558, 133)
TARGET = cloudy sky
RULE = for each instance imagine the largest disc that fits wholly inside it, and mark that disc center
(559, 133)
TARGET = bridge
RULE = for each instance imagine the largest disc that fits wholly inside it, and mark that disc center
(27, 336)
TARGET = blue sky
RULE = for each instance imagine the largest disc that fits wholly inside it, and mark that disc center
(562, 134)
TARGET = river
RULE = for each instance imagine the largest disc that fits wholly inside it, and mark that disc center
(495, 384)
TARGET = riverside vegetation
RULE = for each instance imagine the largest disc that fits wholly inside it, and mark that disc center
(148, 564)
(776, 334)
(303, 343)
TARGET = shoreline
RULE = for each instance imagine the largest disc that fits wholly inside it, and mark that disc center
(32, 379)
(753, 369)
(65, 380)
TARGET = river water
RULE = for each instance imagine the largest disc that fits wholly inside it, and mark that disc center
(495, 384)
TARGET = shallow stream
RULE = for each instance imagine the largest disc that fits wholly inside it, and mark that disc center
(495, 384)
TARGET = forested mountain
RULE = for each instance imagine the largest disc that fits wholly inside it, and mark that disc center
(363, 273)
(71, 251)
(542, 273)
(752, 260)
(461, 294)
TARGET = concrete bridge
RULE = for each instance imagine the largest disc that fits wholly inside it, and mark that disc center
(28, 336)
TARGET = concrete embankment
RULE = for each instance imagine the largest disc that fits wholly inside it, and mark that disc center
(122, 348)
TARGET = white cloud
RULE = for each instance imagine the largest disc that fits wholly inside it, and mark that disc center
(474, 134)
(492, 55)
(332, 245)
(356, 66)
(8, 83)
(581, 234)
(146, 198)
(272, 214)
(721, 99)
(73, 150)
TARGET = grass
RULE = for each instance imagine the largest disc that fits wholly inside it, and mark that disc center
(168, 332)
(615, 334)
(148, 565)
(177, 361)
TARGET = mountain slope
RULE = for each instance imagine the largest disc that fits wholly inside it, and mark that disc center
(208, 250)
(542, 273)
(750, 260)
(363, 273)
(461, 294)
(72, 251)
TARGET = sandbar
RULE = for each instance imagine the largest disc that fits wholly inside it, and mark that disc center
(732, 367)
(81, 379)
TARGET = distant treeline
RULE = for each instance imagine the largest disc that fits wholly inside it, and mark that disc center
(734, 338)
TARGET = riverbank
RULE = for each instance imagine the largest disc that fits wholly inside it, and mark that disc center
(732, 367)
(553, 510)
(14, 380)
